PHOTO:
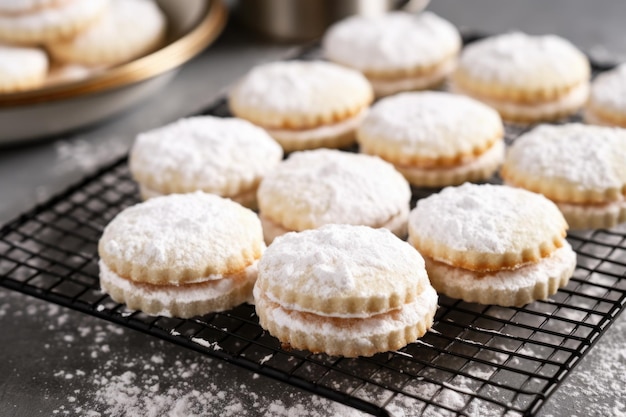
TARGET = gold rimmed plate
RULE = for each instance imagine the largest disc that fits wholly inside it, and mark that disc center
(52, 110)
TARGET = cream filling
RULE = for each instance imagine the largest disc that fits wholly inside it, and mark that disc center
(385, 87)
(358, 328)
(574, 99)
(491, 157)
(397, 224)
(165, 296)
(320, 132)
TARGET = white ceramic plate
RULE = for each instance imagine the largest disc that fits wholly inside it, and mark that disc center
(49, 111)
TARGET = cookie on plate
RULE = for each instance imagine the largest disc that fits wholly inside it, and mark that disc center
(581, 168)
(38, 22)
(21, 68)
(181, 255)
(303, 104)
(607, 100)
(128, 30)
(434, 138)
(526, 78)
(324, 186)
(224, 156)
(492, 244)
(344, 290)
(398, 51)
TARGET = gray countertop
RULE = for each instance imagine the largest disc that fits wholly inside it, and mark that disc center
(61, 362)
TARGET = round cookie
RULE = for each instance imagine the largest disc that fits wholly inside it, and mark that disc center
(526, 78)
(303, 104)
(314, 188)
(344, 290)
(224, 156)
(505, 245)
(21, 68)
(181, 255)
(434, 138)
(48, 21)
(397, 52)
(119, 36)
(581, 168)
(607, 100)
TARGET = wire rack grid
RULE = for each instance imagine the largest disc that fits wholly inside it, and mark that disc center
(477, 360)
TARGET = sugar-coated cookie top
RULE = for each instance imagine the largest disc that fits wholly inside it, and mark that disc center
(314, 188)
(17, 62)
(430, 125)
(395, 41)
(570, 163)
(300, 88)
(523, 61)
(608, 90)
(486, 227)
(213, 154)
(181, 238)
(341, 271)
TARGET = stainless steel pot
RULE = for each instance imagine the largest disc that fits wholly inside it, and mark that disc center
(291, 20)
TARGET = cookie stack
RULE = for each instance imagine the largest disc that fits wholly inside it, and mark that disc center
(51, 41)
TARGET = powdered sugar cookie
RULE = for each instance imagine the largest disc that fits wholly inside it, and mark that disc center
(433, 138)
(314, 188)
(344, 290)
(526, 78)
(181, 255)
(40, 22)
(303, 104)
(224, 156)
(397, 52)
(506, 244)
(607, 101)
(21, 68)
(118, 37)
(581, 168)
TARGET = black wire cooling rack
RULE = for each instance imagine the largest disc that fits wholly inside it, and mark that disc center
(477, 360)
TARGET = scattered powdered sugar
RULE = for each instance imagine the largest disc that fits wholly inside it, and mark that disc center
(132, 376)
(392, 41)
(85, 156)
